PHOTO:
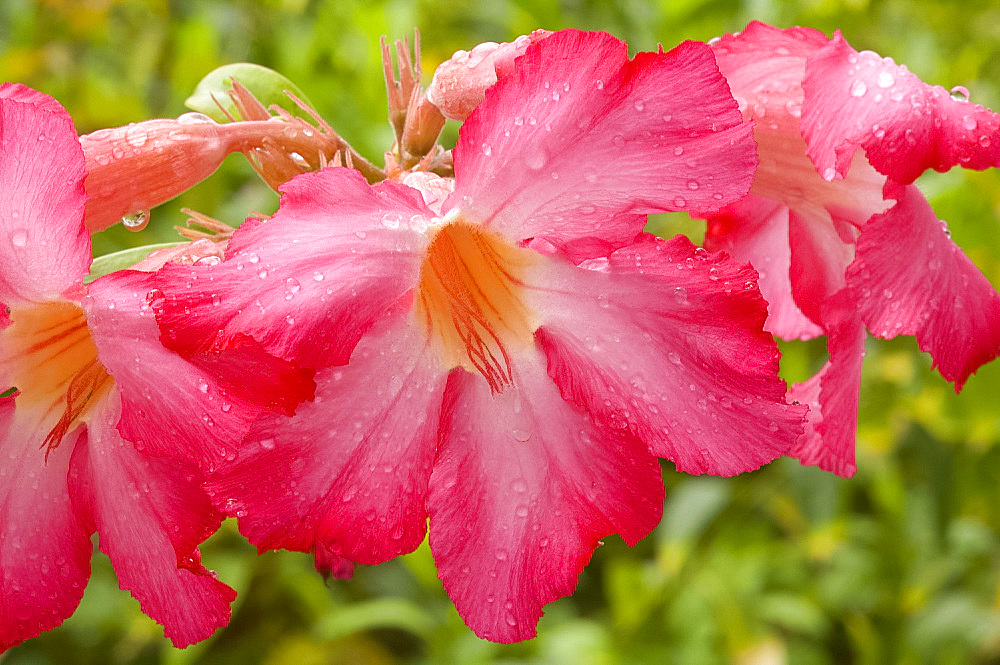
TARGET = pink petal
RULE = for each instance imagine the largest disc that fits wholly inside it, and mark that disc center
(911, 279)
(349, 472)
(671, 349)
(330, 565)
(460, 83)
(578, 134)
(44, 248)
(755, 230)
(201, 251)
(820, 254)
(19, 92)
(434, 189)
(905, 125)
(44, 549)
(832, 394)
(523, 489)
(308, 283)
(151, 514)
(196, 409)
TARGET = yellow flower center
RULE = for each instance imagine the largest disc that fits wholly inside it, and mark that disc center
(51, 358)
(469, 299)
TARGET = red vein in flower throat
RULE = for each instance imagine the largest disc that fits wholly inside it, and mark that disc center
(469, 297)
(50, 356)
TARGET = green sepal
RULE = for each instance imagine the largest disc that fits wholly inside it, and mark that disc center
(126, 258)
(267, 85)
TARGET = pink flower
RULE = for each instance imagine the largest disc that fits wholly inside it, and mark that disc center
(93, 385)
(471, 373)
(857, 246)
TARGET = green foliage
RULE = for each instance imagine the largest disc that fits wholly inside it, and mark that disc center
(900, 564)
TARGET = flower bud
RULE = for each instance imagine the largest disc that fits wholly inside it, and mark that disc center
(460, 83)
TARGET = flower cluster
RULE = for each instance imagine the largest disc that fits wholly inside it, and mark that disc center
(479, 346)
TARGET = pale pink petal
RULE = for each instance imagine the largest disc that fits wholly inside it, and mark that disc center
(434, 189)
(309, 282)
(459, 83)
(672, 350)
(44, 248)
(755, 230)
(44, 549)
(196, 409)
(906, 126)
(150, 516)
(832, 394)
(910, 278)
(578, 135)
(350, 469)
(523, 489)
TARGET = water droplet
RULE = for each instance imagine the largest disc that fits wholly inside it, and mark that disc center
(960, 93)
(392, 220)
(208, 261)
(262, 273)
(292, 287)
(521, 511)
(680, 202)
(202, 386)
(487, 150)
(599, 85)
(674, 357)
(193, 118)
(985, 141)
(19, 237)
(511, 621)
(521, 435)
(969, 122)
(678, 151)
(136, 221)
(640, 105)
(858, 89)
(318, 276)
(829, 174)
(519, 486)
(501, 555)
(692, 184)
(885, 79)
(618, 141)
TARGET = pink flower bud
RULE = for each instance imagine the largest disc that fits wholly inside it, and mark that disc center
(460, 83)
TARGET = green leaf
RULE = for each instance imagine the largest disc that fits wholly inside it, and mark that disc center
(109, 263)
(267, 85)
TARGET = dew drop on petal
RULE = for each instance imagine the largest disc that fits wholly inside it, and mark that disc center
(19, 237)
(640, 105)
(487, 149)
(885, 79)
(267, 444)
(858, 89)
(193, 118)
(960, 93)
(136, 221)
(969, 122)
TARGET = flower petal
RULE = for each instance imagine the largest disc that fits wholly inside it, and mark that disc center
(523, 488)
(912, 279)
(906, 126)
(832, 394)
(44, 549)
(579, 134)
(308, 283)
(672, 349)
(755, 230)
(44, 247)
(198, 408)
(151, 514)
(19, 92)
(348, 473)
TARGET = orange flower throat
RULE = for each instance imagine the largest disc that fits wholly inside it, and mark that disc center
(469, 297)
(49, 354)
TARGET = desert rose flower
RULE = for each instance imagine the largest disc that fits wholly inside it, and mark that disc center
(93, 385)
(470, 372)
(842, 242)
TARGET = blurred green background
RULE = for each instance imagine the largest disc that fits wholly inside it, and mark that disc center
(900, 564)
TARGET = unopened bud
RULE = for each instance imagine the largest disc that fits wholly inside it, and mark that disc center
(460, 83)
